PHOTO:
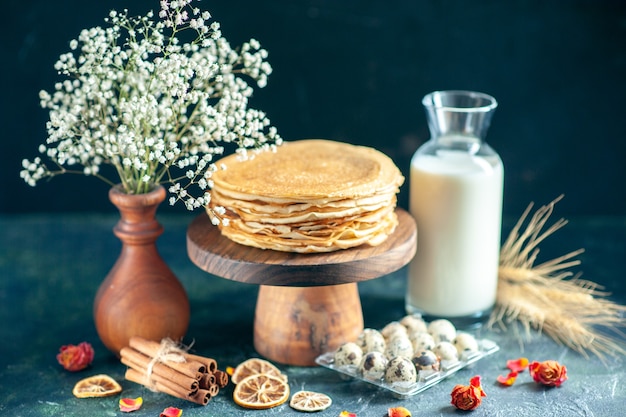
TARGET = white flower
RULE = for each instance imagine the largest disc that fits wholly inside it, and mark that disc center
(156, 108)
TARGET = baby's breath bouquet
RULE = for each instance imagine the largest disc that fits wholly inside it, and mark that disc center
(156, 99)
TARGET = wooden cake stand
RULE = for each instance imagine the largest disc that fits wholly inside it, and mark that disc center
(308, 304)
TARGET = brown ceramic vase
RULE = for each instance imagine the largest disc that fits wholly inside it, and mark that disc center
(140, 296)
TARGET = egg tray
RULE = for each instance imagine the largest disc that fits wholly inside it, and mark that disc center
(425, 379)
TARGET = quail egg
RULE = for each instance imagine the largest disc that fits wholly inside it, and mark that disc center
(400, 369)
(446, 352)
(399, 346)
(393, 329)
(442, 330)
(371, 340)
(426, 360)
(465, 343)
(348, 354)
(422, 341)
(414, 323)
(373, 365)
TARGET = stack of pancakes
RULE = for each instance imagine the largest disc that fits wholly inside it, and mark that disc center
(308, 196)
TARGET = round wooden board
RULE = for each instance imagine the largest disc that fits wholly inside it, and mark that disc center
(220, 256)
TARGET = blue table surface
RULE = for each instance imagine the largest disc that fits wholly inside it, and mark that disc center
(52, 265)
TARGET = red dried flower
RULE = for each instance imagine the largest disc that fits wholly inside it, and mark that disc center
(128, 405)
(549, 373)
(75, 358)
(398, 412)
(468, 397)
(172, 412)
(507, 380)
(517, 365)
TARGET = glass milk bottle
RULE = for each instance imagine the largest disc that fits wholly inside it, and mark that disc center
(456, 186)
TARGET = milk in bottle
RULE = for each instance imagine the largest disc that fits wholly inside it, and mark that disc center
(456, 186)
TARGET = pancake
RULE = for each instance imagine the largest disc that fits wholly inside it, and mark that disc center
(307, 196)
(355, 234)
(303, 213)
(310, 170)
(255, 204)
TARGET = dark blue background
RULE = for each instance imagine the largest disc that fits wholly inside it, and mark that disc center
(355, 71)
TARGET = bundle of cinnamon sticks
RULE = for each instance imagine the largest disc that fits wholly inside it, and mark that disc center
(164, 367)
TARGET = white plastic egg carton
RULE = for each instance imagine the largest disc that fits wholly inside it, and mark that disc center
(425, 379)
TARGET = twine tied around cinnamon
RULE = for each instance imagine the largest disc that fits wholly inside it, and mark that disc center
(168, 367)
(169, 351)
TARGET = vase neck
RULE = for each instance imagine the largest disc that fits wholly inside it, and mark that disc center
(137, 224)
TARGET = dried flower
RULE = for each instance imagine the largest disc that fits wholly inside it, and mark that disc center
(517, 365)
(345, 413)
(549, 373)
(398, 412)
(507, 380)
(154, 108)
(128, 405)
(468, 397)
(171, 412)
(75, 357)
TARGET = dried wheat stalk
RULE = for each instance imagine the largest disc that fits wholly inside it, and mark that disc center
(547, 298)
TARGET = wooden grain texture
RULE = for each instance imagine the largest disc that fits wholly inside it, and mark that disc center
(294, 325)
(140, 296)
(220, 256)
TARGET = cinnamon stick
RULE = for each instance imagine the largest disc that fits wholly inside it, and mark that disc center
(210, 363)
(166, 368)
(202, 396)
(151, 349)
(206, 380)
(140, 362)
(221, 378)
(161, 385)
(213, 390)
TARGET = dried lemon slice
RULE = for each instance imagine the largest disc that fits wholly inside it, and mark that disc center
(261, 391)
(310, 401)
(255, 366)
(96, 386)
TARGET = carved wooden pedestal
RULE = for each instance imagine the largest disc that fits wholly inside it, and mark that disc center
(308, 304)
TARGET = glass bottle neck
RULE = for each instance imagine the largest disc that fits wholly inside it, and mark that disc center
(460, 117)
